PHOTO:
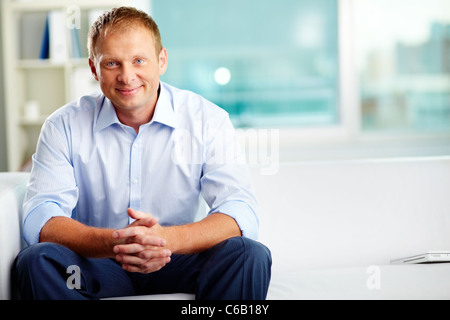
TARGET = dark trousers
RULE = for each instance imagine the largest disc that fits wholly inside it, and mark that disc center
(235, 269)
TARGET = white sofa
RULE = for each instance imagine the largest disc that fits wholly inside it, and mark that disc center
(332, 228)
(12, 190)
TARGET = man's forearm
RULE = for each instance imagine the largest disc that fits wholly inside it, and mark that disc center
(86, 241)
(201, 235)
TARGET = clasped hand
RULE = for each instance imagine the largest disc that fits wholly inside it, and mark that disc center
(141, 246)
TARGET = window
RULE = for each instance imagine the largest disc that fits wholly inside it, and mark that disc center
(268, 63)
(403, 49)
(336, 78)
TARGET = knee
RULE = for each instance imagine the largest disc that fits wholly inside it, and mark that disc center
(238, 268)
(39, 250)
(30, 254)
(256, 251)
(31, 257)
(252, 250)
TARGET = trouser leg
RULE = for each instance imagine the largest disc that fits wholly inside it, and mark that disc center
(52, 271)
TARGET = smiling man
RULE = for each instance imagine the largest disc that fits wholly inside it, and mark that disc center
(107, 196)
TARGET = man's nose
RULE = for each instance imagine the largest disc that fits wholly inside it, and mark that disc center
(127, 74)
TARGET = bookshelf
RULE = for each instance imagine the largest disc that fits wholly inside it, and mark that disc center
(37, 83)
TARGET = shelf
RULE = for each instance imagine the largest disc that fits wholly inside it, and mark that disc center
(47, 5)
(79, 62)
(25, 122)
(48, 63)
(39, 64)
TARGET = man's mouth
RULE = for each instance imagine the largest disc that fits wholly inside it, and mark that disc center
(128, 91)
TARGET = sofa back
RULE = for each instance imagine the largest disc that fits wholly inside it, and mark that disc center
(354, 213)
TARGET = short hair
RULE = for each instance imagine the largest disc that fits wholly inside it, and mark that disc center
(118, 19)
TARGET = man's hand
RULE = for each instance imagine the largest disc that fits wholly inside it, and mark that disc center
(142, 248)
(145, 246)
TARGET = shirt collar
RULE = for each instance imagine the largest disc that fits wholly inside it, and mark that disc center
(164, 112)
(106, 115)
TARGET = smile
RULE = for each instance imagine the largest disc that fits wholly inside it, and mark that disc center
(128, 92)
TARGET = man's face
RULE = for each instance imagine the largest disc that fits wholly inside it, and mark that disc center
(128, 69)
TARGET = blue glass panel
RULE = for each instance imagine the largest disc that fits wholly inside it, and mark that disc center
(268, 63)
(403, 49)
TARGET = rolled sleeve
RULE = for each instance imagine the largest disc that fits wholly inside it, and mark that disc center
(37, 218)
(244, 216)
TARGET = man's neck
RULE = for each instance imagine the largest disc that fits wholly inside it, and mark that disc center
(139, 116)
(136, 118)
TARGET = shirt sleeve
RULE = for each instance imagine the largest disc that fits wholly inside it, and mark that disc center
(226, 183)
(52, 190)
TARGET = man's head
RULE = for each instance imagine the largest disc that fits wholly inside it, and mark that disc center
(126, 57)
(121, 19)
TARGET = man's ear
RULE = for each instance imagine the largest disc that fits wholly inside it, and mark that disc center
(163, 61)
(93, 69)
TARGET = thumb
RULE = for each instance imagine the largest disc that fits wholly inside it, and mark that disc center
(142, 218)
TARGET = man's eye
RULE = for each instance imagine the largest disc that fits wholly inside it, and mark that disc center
(110, 64)
(139, 61)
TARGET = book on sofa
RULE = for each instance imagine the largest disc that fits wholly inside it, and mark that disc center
(429, 257)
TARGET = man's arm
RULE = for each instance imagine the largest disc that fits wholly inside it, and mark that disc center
(201, 235)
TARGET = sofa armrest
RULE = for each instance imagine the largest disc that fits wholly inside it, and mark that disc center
(12, 191)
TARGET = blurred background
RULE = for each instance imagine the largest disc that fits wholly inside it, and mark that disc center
(330, 79)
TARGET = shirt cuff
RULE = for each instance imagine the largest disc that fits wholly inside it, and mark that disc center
(244, 216)
(37, 218)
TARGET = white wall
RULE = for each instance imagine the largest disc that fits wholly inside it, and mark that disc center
(3, 164)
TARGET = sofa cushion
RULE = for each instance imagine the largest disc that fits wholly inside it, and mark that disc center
(385, 282)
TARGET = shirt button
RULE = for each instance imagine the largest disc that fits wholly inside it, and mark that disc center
(135, 181)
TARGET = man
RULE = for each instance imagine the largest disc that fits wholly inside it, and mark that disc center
(117, 178)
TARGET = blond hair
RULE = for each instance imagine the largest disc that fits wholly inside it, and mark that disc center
(118, 19)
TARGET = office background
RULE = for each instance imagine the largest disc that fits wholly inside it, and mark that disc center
(337, 78)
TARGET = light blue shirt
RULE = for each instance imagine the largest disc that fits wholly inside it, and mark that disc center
(91, 167)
